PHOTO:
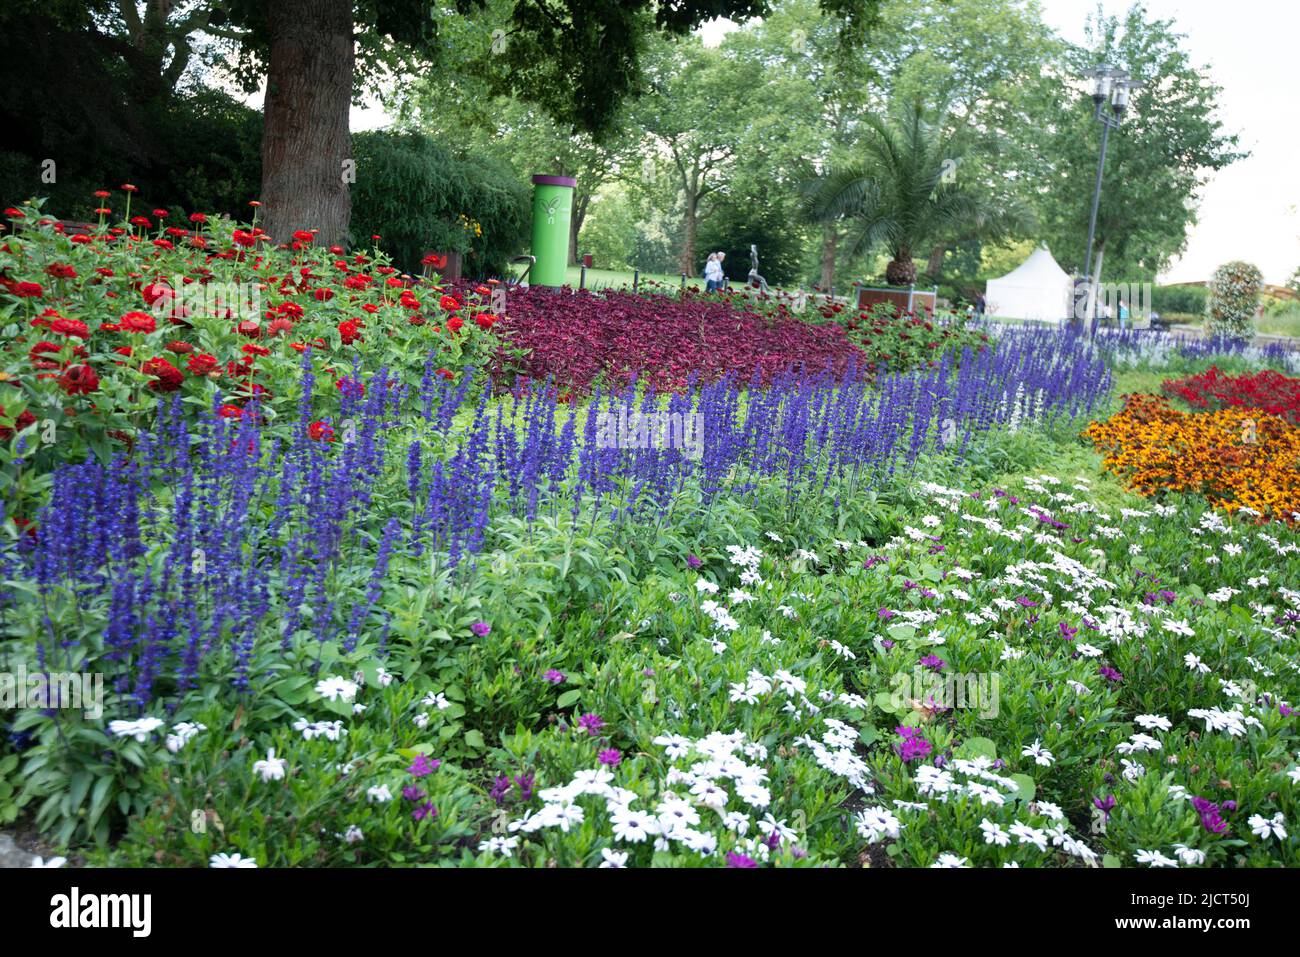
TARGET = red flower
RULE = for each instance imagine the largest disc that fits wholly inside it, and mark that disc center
(179, 347)
(25, 418)
(320, 431)
(28, 290)
(202, 364)
(250, 328)
(44, 348)
(449, 303)
(454, 323)
(79, 380)
(230, 412)
(485, 320)
(70, 327)
(61, 271)
(167, 378)
(138, 322)
(350, 331)
(198, 218)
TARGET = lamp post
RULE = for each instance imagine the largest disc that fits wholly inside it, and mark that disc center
(1114, 84)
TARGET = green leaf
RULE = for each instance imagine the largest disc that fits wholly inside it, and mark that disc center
(977, 747)
(568, 698)
(474, 739)
(1027, 787)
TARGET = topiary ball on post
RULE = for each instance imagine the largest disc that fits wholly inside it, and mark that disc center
(1233, 299)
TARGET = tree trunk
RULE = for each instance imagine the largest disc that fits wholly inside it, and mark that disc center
(934, 268)
(691, 229)
(830, 249)
(306, 146)
(575, 226)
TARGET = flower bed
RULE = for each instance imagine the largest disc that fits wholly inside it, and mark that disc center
(99, 325)
(576, 340)
(1266, 390)
(1240, 459)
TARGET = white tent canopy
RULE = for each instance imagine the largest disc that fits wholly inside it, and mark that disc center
(1038, 290)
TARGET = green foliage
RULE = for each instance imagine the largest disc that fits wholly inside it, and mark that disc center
(902, 194)
(1170, 141)
(413, 192)
(1184, 300)
(1233, 296)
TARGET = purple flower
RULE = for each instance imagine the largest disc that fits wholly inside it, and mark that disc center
(1067, 632)
(422, 766)
(934, 662)
(554, 677)
(481, 628)
(423, 811)
(1210, 818)
(591, 723)
(693, 561)
(412, 793)
(1105, 805)
(1109, 673)
(610, 756)
(500, 788)
(525, 784)
(885, 613)
(736, 859)
(914, 746)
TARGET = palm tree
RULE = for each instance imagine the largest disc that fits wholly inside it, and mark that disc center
(902, 194)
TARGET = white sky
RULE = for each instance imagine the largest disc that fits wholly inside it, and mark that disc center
(1251, 209)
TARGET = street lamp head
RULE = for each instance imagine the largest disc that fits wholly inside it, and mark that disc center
(1120, 95)
(1104, 78)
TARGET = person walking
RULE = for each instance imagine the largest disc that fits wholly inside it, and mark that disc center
(713, 272)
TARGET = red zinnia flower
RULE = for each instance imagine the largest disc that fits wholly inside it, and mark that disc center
(167, 378)
(350, 331)
(202, 364)
(70, 327)
(138, 322)
(79, 380)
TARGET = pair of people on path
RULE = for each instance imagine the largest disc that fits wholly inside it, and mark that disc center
(714, 277)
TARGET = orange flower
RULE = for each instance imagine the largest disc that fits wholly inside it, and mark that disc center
(1238, 458)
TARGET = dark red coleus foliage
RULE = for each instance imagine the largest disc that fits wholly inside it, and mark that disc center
(612, 337)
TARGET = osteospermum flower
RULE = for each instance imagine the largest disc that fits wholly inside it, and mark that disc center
(270, 769)
(139, 730)
(1265, 827)
(1040, 754)
(232, 861)
(335, 689)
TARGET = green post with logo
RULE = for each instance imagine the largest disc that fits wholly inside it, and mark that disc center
(552, 211)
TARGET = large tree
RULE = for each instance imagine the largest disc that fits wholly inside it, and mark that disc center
(1169, 144)
(577, 59)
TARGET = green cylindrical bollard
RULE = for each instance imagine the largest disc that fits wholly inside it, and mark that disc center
(552, 209)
